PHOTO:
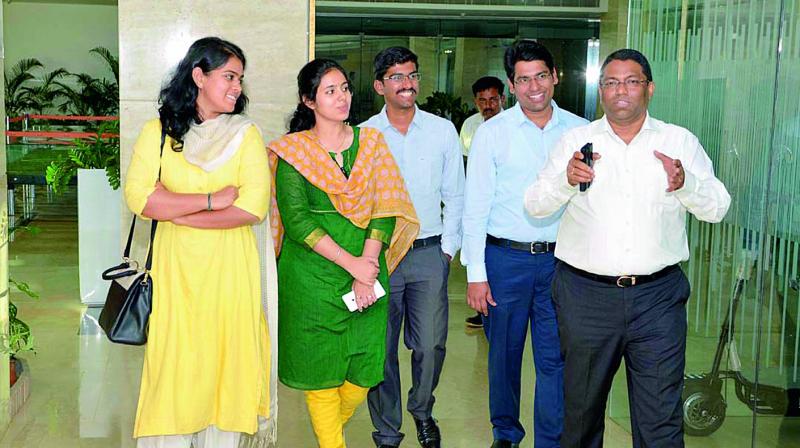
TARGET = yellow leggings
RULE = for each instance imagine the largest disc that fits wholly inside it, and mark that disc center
(330, 409)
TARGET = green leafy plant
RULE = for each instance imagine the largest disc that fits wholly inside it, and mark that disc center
(101, 151)
(88, 95)
(27, 93)
(19, 338)
(447, 106)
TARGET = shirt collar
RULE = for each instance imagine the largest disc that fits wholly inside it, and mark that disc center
(417, 121)
(649, 124)
(520, 118)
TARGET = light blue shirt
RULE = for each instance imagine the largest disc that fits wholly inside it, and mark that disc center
(506, 155)
(429, 157)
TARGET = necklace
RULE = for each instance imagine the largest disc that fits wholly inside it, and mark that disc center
(338, 157)
(328, 148)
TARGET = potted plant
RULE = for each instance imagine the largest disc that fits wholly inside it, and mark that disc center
(447, 106)
(88, 95)
(99, 152)
(95, 162)
(18, 340)
(26, 93)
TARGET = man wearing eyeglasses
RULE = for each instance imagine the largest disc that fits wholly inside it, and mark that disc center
(428, 152)
(490, 96)
(618, 289)
(509, 255)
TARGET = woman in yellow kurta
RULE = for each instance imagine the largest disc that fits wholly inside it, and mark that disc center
(206, 370)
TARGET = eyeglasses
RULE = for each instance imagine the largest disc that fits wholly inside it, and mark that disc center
(540, 78)
(628, 83)
(400, 77)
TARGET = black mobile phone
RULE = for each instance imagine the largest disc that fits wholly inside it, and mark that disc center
(587, 150)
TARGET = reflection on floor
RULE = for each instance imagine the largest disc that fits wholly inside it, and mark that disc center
(85, 389)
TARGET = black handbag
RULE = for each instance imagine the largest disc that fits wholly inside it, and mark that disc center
(126, 313)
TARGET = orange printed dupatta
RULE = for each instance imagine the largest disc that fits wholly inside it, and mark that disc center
(375, 188)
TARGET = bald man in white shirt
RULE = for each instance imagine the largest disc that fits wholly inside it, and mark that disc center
(618, 290)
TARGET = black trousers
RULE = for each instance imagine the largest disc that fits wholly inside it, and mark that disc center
(599, 325)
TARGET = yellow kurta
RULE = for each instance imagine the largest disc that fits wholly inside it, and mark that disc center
(207, 355)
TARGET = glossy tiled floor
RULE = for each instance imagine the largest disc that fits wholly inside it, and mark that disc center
(84, 389)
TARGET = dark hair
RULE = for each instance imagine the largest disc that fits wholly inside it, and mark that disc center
(486, 83)
(308, 81)
(526, 50)
(627, 54)
(178, 97)
(392, 56)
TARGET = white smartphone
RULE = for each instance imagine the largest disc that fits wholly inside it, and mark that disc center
(350, 298)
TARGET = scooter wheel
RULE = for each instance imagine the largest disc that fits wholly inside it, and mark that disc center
(703, 409)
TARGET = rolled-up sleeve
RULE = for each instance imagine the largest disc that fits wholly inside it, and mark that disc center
(142, 175)
(254, 175)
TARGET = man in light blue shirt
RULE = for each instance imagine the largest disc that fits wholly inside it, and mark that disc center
(428, 151)
(508, 254)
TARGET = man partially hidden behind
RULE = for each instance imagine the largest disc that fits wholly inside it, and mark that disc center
(618, 289)
(489, 93)
(489, 98)
(427, 151)
(508, 254)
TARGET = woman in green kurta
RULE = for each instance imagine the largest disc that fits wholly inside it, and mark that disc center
(348, 221)
(322, 344)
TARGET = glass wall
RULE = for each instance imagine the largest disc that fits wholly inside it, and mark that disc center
(454, 54)
(728, 70)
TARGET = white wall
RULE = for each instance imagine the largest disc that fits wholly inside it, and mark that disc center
(60, 35)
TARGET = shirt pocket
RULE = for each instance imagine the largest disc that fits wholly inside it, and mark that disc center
(427, 174)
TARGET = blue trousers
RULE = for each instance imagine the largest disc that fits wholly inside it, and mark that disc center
(520, 284)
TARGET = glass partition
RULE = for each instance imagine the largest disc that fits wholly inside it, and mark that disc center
(728, 71)
(454, 54)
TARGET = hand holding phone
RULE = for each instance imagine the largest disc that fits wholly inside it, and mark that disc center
(350, 298)
(587, 151)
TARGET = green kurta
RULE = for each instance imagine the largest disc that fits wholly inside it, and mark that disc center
(321, 343)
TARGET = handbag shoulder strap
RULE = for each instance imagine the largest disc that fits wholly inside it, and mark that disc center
(127, 253)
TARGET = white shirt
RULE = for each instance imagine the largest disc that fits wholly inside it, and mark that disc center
(430, 161)
(626, 223)
(468, 129)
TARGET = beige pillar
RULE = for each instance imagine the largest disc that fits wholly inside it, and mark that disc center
(154, 35)
(613, 34)
(613, 28)
(4, 292)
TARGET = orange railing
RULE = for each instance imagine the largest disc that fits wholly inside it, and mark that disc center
(53, 137)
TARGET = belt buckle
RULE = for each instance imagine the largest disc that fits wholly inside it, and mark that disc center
(632, 279)
(538, 247)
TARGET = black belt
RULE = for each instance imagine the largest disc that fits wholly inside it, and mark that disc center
(535, 248)
(429, 241)
(624, 281)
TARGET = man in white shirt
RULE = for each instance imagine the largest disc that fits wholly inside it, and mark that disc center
(509, 255)
(618, 289)
(490, 96)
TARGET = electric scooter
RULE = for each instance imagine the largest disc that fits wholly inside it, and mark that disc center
(704, 405)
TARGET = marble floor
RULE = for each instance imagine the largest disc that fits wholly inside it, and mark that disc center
(85, 389)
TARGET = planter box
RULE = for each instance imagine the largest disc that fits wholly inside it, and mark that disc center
(20, 391)
(98, 233)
